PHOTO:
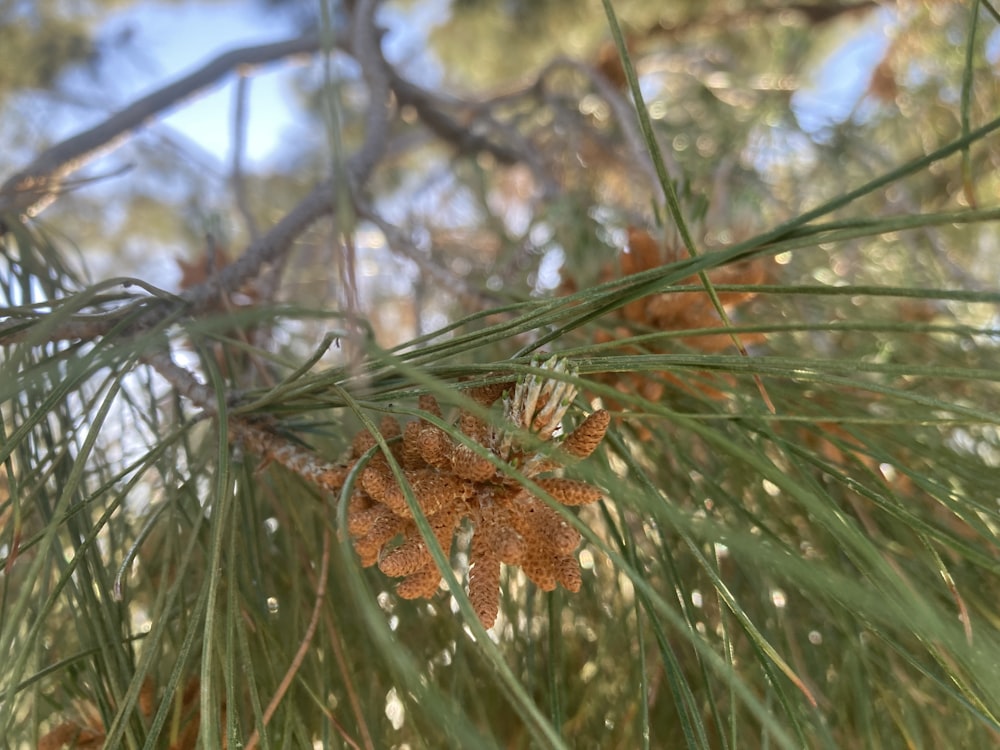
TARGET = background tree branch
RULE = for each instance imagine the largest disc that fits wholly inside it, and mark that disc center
(34, 187)
(217, 497)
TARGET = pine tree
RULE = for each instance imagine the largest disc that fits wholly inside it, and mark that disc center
(598, 398)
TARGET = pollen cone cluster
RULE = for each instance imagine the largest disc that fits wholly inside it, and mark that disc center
(88, 732)
(674, 311)
(451, 480)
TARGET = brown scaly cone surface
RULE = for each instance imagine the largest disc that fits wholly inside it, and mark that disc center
(672, 311)
(88, 732)
(451, 482)
(679, 312)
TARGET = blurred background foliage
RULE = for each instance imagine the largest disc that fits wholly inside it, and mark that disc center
(818, 574)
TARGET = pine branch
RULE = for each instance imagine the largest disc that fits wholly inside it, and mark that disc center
(33, 188)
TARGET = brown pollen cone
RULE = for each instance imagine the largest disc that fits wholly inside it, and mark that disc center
(451, 482)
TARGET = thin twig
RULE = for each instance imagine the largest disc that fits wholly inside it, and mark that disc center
(397, 240)
(300, 654)
(34, 187)
(270, 247)
(256, 436)
(431, 111)
(182, 380)
(239, 143)
(366, 47)
(83, 328)
(261, 441)
(348, 683)
(623, 112)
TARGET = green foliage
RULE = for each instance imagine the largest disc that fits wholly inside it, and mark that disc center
(33, 59)
(821, 575)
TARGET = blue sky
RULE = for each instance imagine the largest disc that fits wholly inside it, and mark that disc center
(173, 39)
(835, 88)
(170, 39)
